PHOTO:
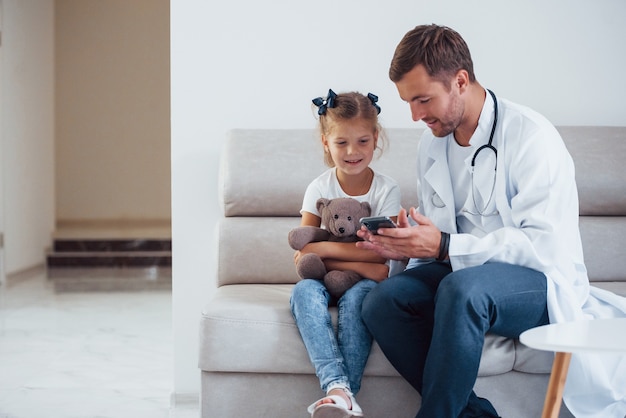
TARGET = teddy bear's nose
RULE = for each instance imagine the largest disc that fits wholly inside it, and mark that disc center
(342, 230)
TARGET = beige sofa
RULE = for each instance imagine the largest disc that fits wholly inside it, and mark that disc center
(253, 362)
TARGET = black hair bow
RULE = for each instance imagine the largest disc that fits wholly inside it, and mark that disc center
(323, 104)
(373, 98)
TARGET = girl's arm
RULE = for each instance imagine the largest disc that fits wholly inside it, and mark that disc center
(374, 271)
(342, 251)
(308, 219)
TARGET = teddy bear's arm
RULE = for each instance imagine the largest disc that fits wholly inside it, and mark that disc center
(303, 235)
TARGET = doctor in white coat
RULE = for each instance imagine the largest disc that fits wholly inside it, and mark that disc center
(494, 245)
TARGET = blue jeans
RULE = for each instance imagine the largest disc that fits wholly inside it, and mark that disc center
(431, 323)
(341, 357)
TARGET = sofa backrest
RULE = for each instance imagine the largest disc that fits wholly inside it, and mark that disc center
(264, 174)
(599, 155)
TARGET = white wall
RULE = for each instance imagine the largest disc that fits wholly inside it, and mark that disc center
(27, 126)
(250, 64)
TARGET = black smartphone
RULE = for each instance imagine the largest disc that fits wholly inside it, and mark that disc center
(372, 223)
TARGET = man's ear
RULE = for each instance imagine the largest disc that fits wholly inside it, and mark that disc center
(461, 81)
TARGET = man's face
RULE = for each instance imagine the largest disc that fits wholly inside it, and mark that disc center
(438, 105)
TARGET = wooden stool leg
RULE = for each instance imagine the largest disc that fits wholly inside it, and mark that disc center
(554, 395)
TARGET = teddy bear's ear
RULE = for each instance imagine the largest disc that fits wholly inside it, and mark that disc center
(366, 208)
(322, 203)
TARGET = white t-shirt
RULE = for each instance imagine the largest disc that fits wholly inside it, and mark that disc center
(472, 216)
(383, 195)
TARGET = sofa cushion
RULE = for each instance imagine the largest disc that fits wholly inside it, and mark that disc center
(249, 328)
(602, 238)
(260, 176)
(529, 360)
(255, 250)
(598, 153)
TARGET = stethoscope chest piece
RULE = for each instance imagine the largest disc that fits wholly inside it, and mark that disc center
(437, 201)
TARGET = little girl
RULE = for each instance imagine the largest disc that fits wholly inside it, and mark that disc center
(350, 131)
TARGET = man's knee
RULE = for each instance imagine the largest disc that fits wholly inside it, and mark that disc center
(461, 291)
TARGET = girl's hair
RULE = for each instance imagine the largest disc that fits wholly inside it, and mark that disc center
(441, 50)
(342, 107)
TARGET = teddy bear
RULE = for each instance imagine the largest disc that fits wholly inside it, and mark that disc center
(340, 218)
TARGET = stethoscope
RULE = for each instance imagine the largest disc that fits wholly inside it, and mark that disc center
(493, 130)
(436, 199)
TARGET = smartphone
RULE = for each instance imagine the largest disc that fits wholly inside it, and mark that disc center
(372, 223)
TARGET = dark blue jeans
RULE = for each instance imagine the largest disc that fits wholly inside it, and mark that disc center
(431, 323)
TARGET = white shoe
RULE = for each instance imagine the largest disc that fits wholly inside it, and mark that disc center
(337, 409)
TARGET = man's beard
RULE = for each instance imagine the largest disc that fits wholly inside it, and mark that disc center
(451, 120)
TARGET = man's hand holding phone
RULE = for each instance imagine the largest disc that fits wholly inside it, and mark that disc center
(403, 240)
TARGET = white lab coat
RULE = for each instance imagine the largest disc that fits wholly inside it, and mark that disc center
(536, 198)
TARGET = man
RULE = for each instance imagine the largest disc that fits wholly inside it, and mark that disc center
(494, 246)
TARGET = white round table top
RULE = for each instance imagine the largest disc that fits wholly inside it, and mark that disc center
(598, 335)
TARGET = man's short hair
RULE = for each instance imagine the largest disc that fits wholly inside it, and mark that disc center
(441, 50)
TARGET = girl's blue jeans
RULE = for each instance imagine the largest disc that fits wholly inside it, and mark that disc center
(338, 357)
(431, 323)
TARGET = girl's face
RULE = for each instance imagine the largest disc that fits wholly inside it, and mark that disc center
(351, 144)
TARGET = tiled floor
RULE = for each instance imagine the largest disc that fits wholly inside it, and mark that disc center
(85, 354)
